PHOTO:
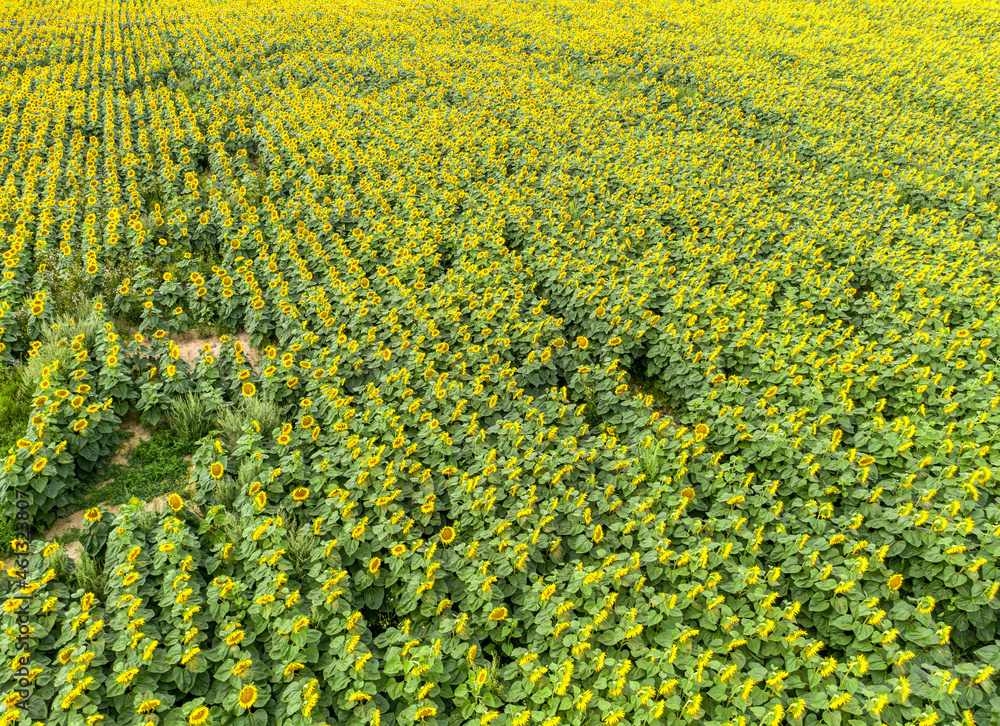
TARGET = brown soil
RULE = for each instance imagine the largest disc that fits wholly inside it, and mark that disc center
(191, 346)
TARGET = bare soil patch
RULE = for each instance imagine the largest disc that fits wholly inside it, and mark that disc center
(192, 344)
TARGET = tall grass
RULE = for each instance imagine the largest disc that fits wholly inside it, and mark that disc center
(235, 420)
(190, 418)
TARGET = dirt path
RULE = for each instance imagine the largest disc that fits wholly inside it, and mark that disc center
(191, 345)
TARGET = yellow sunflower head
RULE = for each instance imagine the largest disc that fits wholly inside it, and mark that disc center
(248, 697)
(175, 502)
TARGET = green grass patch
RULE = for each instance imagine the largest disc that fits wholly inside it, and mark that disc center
(155, 467)
(72, 535)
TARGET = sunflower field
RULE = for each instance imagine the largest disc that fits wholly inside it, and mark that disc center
(626, 363)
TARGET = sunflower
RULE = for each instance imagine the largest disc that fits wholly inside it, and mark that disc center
(374, 564)
(249, 389)
(93, 515)
(39, 464)
(199, 716)
(248, 697)
(447, 535)
(217, 470)
(149, 705)
(398, 550)
(895, 582)
(582, 343)
(300, 494)
(498, 614)
(175, 502)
